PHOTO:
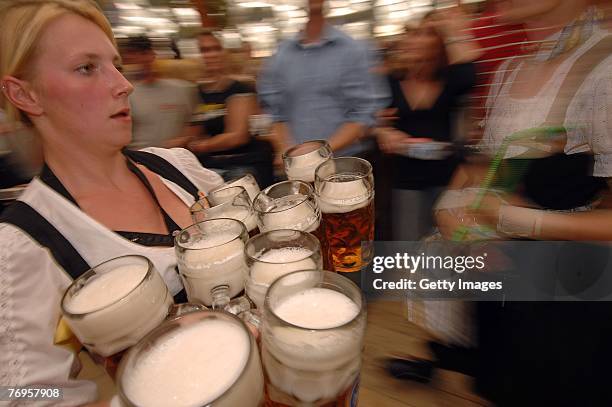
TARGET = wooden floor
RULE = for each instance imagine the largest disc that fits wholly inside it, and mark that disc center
(388, 333)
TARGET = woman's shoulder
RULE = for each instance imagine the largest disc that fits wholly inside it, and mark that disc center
(240, 87)
(187, 163)
(20, 252)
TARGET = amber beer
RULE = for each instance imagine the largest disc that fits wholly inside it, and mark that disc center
(345, 190)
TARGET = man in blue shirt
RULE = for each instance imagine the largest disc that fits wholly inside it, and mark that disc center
(319, 86)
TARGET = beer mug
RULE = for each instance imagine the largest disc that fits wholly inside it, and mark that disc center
(210, 257)
(302, 160)
(345, 191)
(288, 205)
(273, 254)
(229, 202)
(247, 181)
(115, 304)
(312, 338)
(199, 359)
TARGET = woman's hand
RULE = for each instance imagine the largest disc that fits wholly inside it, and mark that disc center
(451, 22)
(386, 117)
(198, 146)
(392, 141)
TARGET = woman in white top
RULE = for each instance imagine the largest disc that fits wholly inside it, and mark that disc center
(59, 74)
(539, 353)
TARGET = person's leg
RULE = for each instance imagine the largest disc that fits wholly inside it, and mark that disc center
(406, 214)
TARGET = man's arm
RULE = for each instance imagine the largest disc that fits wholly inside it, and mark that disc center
(362, 93)
(271, 94)
(239, 108)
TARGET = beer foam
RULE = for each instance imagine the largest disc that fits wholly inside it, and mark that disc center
(345, 196)
(242, 214)
(316, 365)
(325, 309)
(222, 195)
(290, 212)
(105, 289)
(303, 167)
(251, 187)
(212, 266)
(116, 325)
(278, 262)
(192, 367)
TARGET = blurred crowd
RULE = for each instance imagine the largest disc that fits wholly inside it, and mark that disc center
(425, 92)
(481, 122)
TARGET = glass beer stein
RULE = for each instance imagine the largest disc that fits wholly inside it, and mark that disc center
(115, 304)
(302, 160)
(345, 191)
(198, 359)
(312, 338)
(273, 254)
(210, 257)
(229, 202)
(288, 205)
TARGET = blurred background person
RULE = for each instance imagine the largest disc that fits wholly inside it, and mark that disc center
(13, 167)
(565, 79)
(433, 73)
(499, 40)
(220, 136)
(318, 85)
(436, 71)
(161, 107)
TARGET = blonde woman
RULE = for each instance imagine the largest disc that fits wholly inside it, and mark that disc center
(92, 202)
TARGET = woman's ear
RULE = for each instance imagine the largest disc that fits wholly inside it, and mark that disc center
(21, 95)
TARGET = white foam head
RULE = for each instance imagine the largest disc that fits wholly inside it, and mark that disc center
(191, 367)
(316, 361)
(303, 167)
(343, 197)
(115, 309)
(317, 308)
(248, 182)
(106, 288)
(215, 259)
(274, 264)
(290, 212)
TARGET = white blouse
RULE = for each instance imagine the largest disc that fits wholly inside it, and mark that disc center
(589, 115)
(32, 283)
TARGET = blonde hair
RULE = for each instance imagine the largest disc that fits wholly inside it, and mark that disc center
(21, 25)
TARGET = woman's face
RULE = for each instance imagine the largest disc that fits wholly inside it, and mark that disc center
(82, 96)
(421, 44)
(212, 53)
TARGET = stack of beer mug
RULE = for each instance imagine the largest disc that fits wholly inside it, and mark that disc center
(311, 322)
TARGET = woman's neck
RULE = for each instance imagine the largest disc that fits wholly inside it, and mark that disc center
(84, 171)
(215, 82)
(421, 72)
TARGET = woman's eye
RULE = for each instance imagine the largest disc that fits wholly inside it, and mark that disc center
(87, 69)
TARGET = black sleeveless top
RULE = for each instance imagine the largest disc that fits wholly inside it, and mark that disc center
(145, 239)
(558, 182)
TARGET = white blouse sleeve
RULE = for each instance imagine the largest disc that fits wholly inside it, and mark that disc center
(31, 288)
(189, 165)
(601, 141)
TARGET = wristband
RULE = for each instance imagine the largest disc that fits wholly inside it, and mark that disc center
(458, 38)
(520, 222)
